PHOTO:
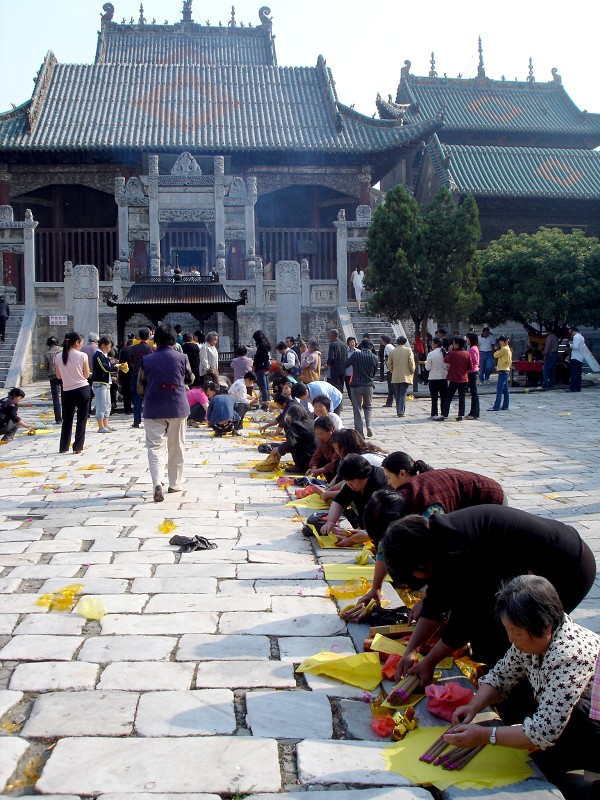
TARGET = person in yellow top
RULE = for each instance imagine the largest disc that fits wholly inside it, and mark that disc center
(503, 358)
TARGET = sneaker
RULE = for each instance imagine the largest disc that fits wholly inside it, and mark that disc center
(158, 494)
(491, 408)
(370, 432)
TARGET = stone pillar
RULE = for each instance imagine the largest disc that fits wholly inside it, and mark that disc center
(69, 287)
(220, 263)
(305, 282)
(153, 215)
(287, 284)
(342, 257)
(250, 264)
(251, 197)
(259, 279)
(123, 219)
(86, 293)
(219, 170)
(117, 287)
(29, 258)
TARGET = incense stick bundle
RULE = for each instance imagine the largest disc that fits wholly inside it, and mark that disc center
(401, 693)
(436, 748)
(459, 760)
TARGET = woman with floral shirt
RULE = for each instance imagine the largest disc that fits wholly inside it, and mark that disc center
(557, 657)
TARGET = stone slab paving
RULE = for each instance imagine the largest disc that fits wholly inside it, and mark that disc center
(186, 690)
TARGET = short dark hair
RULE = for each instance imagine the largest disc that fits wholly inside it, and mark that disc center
(401, 340)
(250, 376)
(187, 337)
(290, 339)
(385, 338)
(530, 602)
(406, 548)
(299, 389)
(437, 341)
(384, 507)
(325, 423)
(144, 333)
(281, 399)
(442, 331)
(164, 336)
(354, 467)
(177, 328)
(365, 344)
(323, 400)
(460, 341)
(503, 338)
(282, 346)
(350, 339)
(16, 392)
(241, 350)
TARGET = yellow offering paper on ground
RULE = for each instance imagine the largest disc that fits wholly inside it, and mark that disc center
(311, 501)
(328, 541)
(383, 644)
(491, 768)
(362, 670)
(343, 572)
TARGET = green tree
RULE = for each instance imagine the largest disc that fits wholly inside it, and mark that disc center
(547, 280)
(422, 261)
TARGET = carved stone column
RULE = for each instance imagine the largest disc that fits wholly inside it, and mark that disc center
(250, 264)
(259, 278)
(123, 219)
(117, 288)
(219, 169)
(251, 197)
(154, 234)
(69, 287)
(29, 227)
(342, 257)
(86, 292)
(305, 282)
(220, 263)
(287, 284)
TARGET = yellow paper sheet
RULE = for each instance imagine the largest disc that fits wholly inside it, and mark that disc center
(362, 670)
(328, 541)
(343, 572)
(312, 501)
(26, 473)
(491, 768)
(383, 644)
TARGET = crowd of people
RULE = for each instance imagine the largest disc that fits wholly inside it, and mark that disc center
(496, 579)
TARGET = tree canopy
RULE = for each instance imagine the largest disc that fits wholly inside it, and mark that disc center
(549, 279)
(422, 261)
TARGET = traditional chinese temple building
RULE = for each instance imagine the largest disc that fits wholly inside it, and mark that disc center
(186, 141)
(522, 148)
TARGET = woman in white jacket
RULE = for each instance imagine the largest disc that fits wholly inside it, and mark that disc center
(438, 371)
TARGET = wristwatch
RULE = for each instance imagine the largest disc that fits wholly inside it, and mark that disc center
(493, 736)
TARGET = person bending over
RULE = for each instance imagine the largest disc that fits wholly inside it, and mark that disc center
(239, 391)
(221, 415)
(557, 657)
(361, 480)
(325, 459)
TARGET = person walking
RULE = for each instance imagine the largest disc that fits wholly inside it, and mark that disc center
(550, 354)
(503, 358)
(55, 383)
(576, 360)
(162, 383)
(486, 355)
(401, 363)
(136, 354)
(473, 342)
(73, 369)
(364, 365)
(4, 315)
(358, 282)
(438, 375)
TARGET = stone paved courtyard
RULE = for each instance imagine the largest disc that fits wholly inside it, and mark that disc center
(187, 684)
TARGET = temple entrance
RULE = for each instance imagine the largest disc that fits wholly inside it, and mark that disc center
(190, 247)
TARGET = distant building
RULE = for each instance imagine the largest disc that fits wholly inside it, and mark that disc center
(522, 148)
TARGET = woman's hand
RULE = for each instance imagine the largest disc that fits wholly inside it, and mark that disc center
(348, 538)
(463, 715)
(372, 594)
(415, 611)
(328, 527)
(468, 736)
(405, 665)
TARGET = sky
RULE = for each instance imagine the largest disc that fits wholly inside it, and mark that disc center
(365, 44)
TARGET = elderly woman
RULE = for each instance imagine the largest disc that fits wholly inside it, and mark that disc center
(557, 657)
(464, 558)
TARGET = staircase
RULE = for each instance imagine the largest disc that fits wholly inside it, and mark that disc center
(374, 326)
(7, 349)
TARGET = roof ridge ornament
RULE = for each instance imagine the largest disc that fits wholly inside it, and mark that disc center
(265, 19)
(530, 76)
(109, 11)
(556, 77)
(432, 72)
(232, 23)
(186, 12)
(480, 66)
(142, 19)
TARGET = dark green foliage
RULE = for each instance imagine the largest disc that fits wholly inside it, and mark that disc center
(422, 261)
(549, 279)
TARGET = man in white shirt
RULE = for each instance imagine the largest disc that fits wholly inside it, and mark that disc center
(313, 389)
(209, 355)
(577, 356)
(290, 363)
(239, 392)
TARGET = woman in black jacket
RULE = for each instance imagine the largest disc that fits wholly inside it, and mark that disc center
(262, 364)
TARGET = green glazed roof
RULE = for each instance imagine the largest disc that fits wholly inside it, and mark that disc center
(481, 104)
(528, 172)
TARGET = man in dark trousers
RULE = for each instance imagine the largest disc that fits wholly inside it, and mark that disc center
(336, 358)
(4, 315)
(136, 354)
(125, 377)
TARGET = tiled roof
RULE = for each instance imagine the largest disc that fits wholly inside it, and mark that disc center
(518, 171)
(146, 293)
(481, 104)
(184, 44)
(202, 108)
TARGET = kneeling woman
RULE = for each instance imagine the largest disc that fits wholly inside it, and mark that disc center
(300, 439)
(557, 657)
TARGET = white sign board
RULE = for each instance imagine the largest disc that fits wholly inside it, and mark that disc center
(59, 320)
